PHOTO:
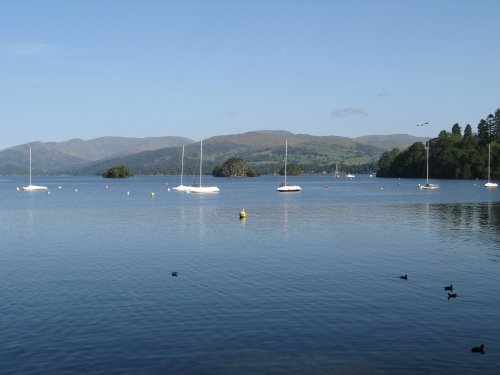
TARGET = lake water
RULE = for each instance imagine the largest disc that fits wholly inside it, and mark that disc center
(307, 284)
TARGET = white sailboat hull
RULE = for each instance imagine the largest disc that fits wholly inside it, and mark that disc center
(491, 185)
(181, 188)
(429, 187)
(32, 188)
(203, 189)
(289, 188)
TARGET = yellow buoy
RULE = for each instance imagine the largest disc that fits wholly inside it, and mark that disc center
(152, 194)
(243, 214)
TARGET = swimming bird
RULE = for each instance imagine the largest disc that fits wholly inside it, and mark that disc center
(478, 349)
(449, 287)
(452, 295)
(404, 277)
(175, 273)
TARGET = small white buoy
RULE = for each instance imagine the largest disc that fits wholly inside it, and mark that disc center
(152, 194)
(168, 189)
(48, 193)
(76, 190)
(128, 192)
(60, 187)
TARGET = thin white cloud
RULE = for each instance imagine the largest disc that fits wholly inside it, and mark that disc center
(382, 94)
(348, 111)
(228, 114)
(30, 49)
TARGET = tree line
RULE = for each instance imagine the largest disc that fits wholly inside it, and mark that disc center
(452, 155)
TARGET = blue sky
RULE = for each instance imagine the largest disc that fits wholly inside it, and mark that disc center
(86, 69)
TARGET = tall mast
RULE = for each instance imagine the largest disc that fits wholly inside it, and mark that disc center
(182, 164)
(489, 156)
(201, 158)
(30, 166)
(428, 146)
(286, 157)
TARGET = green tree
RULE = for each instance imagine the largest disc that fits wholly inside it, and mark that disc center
(456, 129)
(444, 155)
(496, 125)
(468, 132)
(470, 157)
(415, 161)
(484, 131)
(117, 171)
(385, 163)
(495, 161)
(234, 167)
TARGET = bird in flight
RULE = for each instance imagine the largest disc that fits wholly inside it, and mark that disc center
(425, 123)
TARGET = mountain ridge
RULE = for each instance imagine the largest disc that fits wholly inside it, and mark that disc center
(52, 156)
(263, 149)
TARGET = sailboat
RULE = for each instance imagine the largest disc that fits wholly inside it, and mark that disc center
(490, 184)
(182, 187)
(284, 188)
(31, 187)
(337, 173)
(427, 185)
(198, 188)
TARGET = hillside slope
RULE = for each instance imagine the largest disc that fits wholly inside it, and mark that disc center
(263, 150)
(389, 142)
(49, 157)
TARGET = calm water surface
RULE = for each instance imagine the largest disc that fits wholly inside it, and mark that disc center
(307, 284)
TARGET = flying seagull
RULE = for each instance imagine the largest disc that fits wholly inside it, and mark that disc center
(425, 123)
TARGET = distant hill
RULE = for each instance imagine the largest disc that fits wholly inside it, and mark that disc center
(50, 157)
(263, 150)
(9, 169)
(389, 142)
